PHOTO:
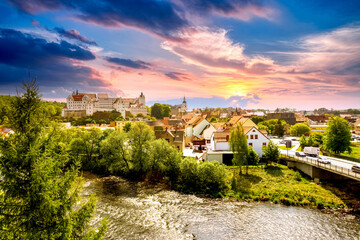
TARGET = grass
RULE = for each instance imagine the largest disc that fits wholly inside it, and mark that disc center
(355, 147)
(281, 185)
(284, 147)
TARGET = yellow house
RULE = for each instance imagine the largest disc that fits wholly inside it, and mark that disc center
(317, 128)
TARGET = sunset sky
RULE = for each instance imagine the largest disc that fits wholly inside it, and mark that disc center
(240, 53)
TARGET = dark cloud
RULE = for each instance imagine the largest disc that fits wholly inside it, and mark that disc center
(50, 62)
(20, 49)
(138, 64)
(177, 76)
(161, 18)
(73, 34)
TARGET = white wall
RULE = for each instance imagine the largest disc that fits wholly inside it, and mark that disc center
(200, 127)
(257, 144)
(222, 146)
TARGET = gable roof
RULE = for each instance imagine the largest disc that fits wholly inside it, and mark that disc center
(79, 97)
(195, 121)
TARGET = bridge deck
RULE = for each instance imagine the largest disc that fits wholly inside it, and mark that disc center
(328, 167)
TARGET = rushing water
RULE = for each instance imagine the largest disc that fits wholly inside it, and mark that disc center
(140, 211)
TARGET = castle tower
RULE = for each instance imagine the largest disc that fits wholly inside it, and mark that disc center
(142, 99)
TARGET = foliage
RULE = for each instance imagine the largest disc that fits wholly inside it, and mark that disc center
(337, 135)
(207, 177)
(39, 194)
(238, 144)
(159, 111)
(274, 126)
(299, 129)
(252, 157)
(314, 140)
(127, 127)
(258, 119)
(213, 119)
(271, 152)
(139, 137)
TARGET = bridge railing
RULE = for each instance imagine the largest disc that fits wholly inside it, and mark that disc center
(316, 163)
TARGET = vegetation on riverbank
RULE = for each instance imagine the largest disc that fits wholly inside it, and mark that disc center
(281, 185)
(355, 151)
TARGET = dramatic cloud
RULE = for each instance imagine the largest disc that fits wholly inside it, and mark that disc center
(337, 51)
(240, 9)
(19, 49)
(138, 64)
(73, 34)
(212, 49)
(54, 64)
(161, 18)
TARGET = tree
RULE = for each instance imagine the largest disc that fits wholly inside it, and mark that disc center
(139, 137)
(166, 110)
(252, 157)
(127, 127)
(337, 135)
(39, 196)
(157, 111)
(299, 129)
(115, 152)
(271, 152)
(258, 119)
(238, 144)
(279, 128)
(213, 119)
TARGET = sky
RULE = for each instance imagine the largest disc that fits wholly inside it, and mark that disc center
(232, 53)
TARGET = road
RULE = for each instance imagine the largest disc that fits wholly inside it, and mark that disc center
(334, 161)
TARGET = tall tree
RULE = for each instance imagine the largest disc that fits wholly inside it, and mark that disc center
(337, 135)
(157, 111)
(271, 152)
(38, 197)
(299, 129)
(140, 136)
(238, 144)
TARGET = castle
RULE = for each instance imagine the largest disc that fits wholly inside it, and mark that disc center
(86, 104)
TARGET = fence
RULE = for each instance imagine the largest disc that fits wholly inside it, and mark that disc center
(332, 168)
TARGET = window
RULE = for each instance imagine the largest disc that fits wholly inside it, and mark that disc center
(251, 136)
(208, 141)
(264, 144)
(256, 136)
(253, 130)
(250, 144)
(168, 140)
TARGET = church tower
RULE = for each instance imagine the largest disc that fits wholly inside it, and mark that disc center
(142, 99)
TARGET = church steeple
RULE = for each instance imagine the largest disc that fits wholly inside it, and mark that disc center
(184, 101)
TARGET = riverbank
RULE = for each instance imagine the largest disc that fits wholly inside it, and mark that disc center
(281, 185)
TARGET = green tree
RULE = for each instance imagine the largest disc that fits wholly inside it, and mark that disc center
(279, 128)
(258, 119)
(238, 144)
(166, 110)
(213, 119)
(140, 136)
(271, 152)
(157, 111)
(115, 152)
(299, 129)
(127, 127)
(337, 135)
(39, 196)
(252, 157)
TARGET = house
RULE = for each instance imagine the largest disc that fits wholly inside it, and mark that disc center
(357, 127)
(196, 126)
(210, 129)
(6, 131)
(244, 121)
(175, 138)
(317, 128)
(220, 143)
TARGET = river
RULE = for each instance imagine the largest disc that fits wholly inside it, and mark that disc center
(143, 211)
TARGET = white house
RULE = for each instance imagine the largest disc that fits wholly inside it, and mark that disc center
(255, 138)
(196, 126)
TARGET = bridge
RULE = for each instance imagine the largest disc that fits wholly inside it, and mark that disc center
(322, 171)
